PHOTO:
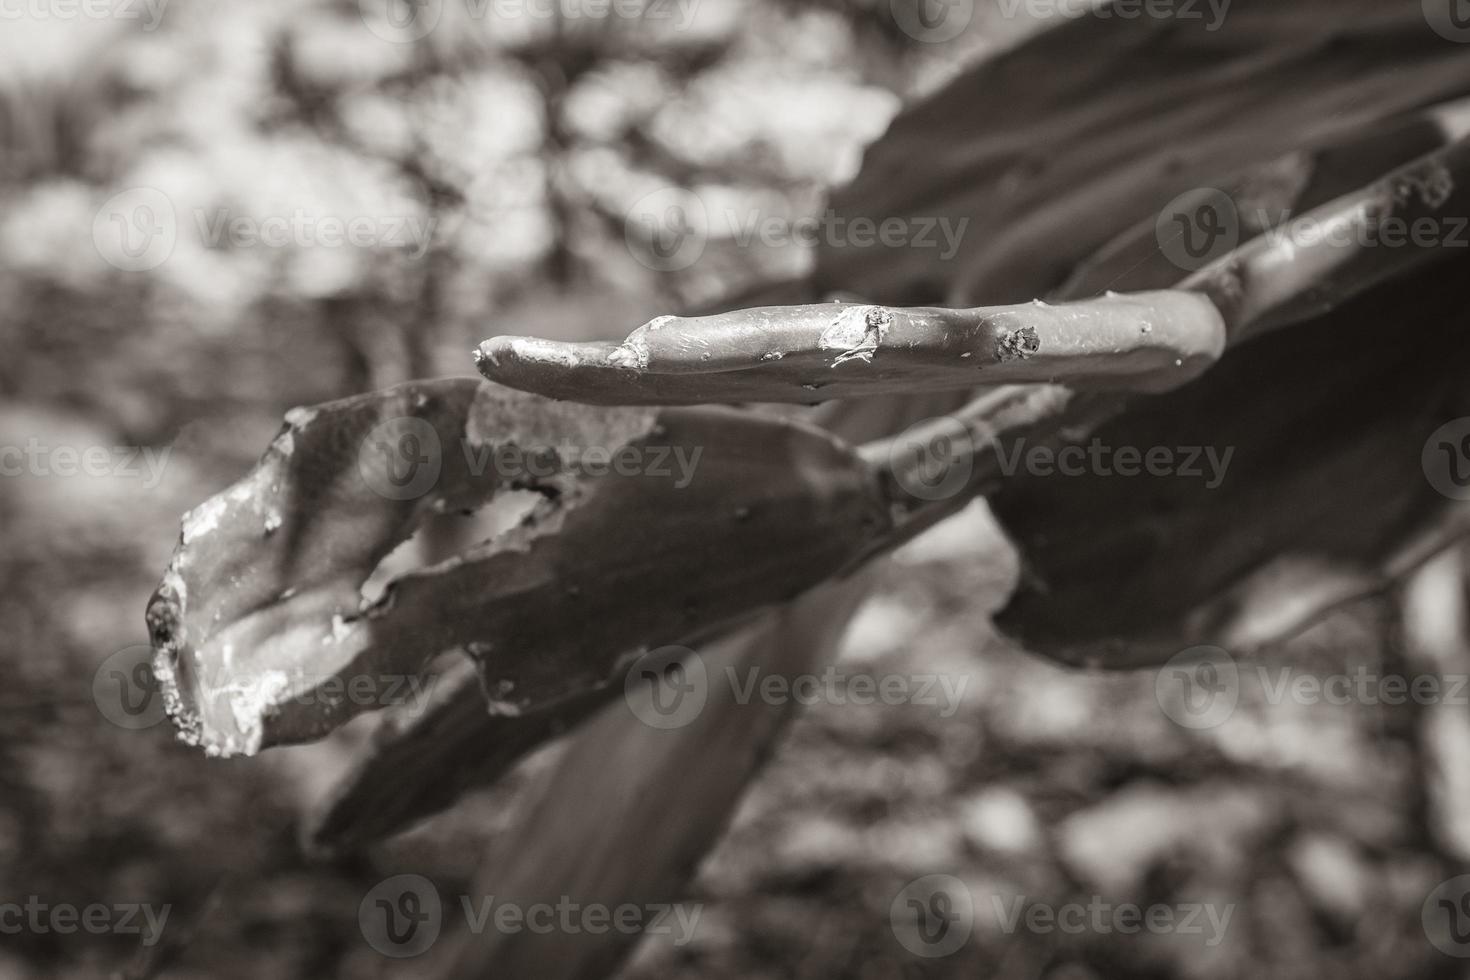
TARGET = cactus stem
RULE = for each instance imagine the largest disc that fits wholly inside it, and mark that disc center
(1142, 342)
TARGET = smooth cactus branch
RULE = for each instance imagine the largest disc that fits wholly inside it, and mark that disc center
(806, 354)
(1312, 265)
(957, 456)
(1315, 262)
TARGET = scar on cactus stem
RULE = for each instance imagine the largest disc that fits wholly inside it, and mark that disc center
(1021, 344)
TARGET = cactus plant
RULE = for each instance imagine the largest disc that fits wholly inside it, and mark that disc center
(645, 555)
(1318, 363)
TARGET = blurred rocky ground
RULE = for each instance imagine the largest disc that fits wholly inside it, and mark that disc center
(498, 162)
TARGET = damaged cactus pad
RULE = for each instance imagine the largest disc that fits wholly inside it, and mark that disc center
(650, 525)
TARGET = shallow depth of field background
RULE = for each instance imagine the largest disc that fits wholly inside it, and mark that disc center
(523, 143)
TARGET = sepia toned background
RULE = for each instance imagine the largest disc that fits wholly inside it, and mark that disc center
(213, 212)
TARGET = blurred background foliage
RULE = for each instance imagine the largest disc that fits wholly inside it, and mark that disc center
(523, 143)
